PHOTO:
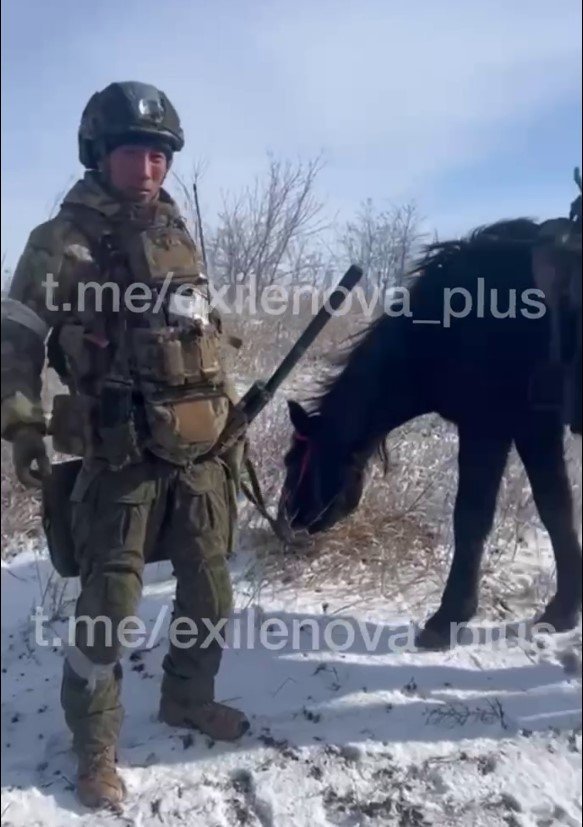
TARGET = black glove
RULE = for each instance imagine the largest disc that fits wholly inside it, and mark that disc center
(27, 447)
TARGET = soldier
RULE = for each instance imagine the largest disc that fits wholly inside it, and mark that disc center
(148, 399)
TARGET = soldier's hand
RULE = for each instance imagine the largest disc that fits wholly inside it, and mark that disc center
(28, 447)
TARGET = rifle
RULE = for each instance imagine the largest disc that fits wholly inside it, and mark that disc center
(261, 393)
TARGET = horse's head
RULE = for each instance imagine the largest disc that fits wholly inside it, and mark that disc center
(323, 483)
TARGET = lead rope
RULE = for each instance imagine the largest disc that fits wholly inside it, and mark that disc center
(254, 493)
(255, 496)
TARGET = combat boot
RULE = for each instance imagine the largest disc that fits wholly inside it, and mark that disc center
(98, 784)
(218, 721)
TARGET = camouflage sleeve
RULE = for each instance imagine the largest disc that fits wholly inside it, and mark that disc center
(27, 317)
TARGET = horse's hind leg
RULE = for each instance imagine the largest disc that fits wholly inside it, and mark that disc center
(481, 461)
(541, 449)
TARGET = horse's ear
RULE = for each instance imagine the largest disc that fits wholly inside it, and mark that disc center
(299, 418)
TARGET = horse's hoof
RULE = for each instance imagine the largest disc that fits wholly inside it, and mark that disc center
(433, 640)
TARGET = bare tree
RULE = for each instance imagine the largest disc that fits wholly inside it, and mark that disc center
(383, 242)
(267, 230)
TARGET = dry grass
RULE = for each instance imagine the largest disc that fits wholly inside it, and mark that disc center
(267, 339)
(364, 551)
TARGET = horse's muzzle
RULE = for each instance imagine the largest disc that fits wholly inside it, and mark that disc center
(292, 536)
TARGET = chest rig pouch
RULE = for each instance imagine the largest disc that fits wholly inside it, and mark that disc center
(172, 342)
(148, 370)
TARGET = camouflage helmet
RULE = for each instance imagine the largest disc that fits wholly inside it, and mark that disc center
(125, 112)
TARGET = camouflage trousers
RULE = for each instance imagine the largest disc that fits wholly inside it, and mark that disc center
(121, 520)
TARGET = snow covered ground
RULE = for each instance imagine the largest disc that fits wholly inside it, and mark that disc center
(484, 734)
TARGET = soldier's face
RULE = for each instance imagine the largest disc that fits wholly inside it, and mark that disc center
(137, 172)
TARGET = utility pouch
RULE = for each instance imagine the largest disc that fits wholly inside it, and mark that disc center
(161, 252)
(184, 423)
(174, 371)
(210, 357)
(70, 425)
(56, 516)
(118, 438)
(74, 346)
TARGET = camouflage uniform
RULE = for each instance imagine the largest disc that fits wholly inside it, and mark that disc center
(161, 499)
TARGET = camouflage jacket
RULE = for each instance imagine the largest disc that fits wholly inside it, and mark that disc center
(57, 249)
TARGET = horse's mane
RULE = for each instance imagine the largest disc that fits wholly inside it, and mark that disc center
(504, 234)
(509, 232)
(348, 349)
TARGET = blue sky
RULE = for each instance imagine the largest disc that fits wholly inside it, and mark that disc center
(472, 109)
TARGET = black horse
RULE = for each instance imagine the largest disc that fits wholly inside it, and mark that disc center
(465, 341)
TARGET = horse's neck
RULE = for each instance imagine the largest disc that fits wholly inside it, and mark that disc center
(377, 390)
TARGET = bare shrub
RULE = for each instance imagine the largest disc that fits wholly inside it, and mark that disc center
(384, 242)
(262, 231)
(21, 525)
(267, 339)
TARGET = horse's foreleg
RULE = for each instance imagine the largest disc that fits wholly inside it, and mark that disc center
(541, 449)
(481, 462)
